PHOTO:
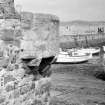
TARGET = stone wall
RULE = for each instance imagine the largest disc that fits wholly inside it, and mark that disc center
(36, 34)
(41, 32)
(19, 84)
(7, 9)
(35, 37)
(89, 40)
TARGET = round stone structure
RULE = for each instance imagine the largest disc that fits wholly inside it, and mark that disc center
(40, 35)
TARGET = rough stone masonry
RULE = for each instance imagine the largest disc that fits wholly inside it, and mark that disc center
(28, 44)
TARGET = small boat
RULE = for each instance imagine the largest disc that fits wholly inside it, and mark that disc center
(72, 57)
(79, 52)
(90, 50)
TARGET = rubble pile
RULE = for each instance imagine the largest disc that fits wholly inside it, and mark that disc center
(19, 87)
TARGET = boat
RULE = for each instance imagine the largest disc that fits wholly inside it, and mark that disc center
(90, 50)
(72, 57)
(79, 52)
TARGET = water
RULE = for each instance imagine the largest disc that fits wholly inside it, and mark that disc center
(94, 67)
(97, 65)
(79, 84)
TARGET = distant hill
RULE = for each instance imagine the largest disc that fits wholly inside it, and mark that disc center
(81, 22)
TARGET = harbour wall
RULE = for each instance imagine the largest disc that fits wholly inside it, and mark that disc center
(89, 40)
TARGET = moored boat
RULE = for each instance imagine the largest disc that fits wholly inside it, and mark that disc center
(90, 50)
(72, 57)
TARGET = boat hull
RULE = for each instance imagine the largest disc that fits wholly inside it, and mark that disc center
(93, 51)
(71, 59)
(61, 62)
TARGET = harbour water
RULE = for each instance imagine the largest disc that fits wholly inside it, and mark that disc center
(79, 84)
(94, 66)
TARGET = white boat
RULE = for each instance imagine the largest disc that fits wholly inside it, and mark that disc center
(72, 57)
(80, 52)
(90, 50)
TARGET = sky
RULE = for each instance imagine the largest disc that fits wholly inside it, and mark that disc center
(66, 10)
